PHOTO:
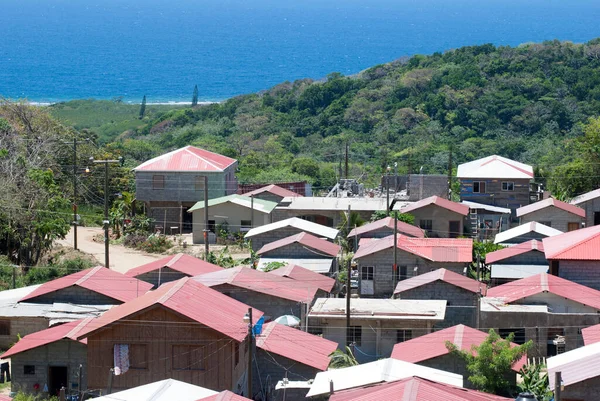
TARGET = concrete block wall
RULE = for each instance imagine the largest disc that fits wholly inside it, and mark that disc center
(67, 353)
(591, 207)
(21, 326)
(586, 390)
(529, 258)
(582, 272)
(77, 295)
(258, 241)
(166, 275)
(296, 251)
(558, 218)
(440, 218)
(229, 213)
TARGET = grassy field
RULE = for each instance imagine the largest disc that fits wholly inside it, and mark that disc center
(107, 118)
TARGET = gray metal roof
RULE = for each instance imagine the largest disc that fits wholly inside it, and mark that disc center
(316, 265)
(517, 271)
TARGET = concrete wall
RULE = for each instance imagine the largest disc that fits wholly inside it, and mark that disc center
(21, 326)
(422, 186)
(67, 353)
(528, 258)
(586, 390)
(77, 295)
(383, 261)
(584, 272)
(378, 337)
(494, 195)
(591, 207)
(171, 216)
(229, 213)
(557, 218)
(441, 218)
(166, 275)
(556, 303)
(461, 307)
(258, 241)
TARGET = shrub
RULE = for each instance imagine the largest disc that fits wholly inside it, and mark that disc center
(134, 240)
(156, 244)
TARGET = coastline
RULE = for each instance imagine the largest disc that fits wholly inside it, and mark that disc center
(168, 103)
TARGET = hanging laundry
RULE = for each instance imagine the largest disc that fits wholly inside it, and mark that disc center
(121, 358)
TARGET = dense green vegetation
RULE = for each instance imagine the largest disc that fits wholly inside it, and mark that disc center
(528, 103)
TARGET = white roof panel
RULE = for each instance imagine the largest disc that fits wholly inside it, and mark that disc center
(335, 204)
(164, 390)
(379, 309)
(495, 167)
(585, 197)
(489, 208)
(517, 271)
(576, 365)
(384, 370)
(322, 266)
(318, 230)
(524, 229)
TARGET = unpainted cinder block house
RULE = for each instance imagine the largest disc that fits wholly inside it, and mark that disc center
(553, 213)
(590, 202)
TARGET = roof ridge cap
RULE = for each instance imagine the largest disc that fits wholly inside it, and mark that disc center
(544, 282)
(411, 391)
(88, 275)
(165, 297)
(262, 337)
(187, 149)
(458, 336)
(72, 333)
(174, 259)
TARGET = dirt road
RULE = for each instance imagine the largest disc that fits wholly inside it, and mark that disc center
(121, 259)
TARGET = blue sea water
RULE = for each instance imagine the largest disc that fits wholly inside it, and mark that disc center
(53, 50)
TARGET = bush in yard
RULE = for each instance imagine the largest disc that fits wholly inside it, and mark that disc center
(156, 244)
(134, 240)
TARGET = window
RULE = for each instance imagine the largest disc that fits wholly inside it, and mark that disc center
(138, 356)
(426, 224)
(403, 335)
(519, 335)
(4, 327)
(29, 369)
(546, 223)
(199, 183)
(236, 354)
(367, 273)
(479, 187)
(508, 186)
(158, 182)
(246, 225)
(403, 272)
(356, 335)
(191, 357)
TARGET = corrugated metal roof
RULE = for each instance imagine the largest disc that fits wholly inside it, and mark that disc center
(321, 266)
(303, 275)
(301, 224)
(190, 299)
(517, 271)
(258, 281)
(591, 335)
(180, 262)
(336, 204)
(97, 279)
(524, 229)
(434, 249)
(402, 227)
(319, 245)
(494, 167)
(274, 189)
(414, 389)
(296, 345)
(188, 158)
(50, 335)
(380, 309)
(550, 202)
(450, 277)
(583, 244)
(259, 205)
(433, 345)
(576, 365)
(383, 370)
(525, 247)
(163, 390)
(224, 396)
(441, 202)
(526, 287)
(489, 208)
(585, 197)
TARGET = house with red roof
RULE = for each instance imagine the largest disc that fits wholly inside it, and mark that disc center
(590, 202)
(516, 262)
(415, 256)
(553, 213)
(171, 268)
(383, 228)
(273, 193)
(430, 350)
(324, 284)
(461, 293)
(414, 389)
(591, 335)
(439, 217)
(172, 183)
(183, 330)
(546, 309)
(275, 295)
(49, 357)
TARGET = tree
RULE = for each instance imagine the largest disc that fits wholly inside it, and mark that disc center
(143, 108)
(195, 97)
(403, 217)
(491, 362)
(340, 359)
(535, 381)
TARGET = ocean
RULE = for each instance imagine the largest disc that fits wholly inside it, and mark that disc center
(56, 50)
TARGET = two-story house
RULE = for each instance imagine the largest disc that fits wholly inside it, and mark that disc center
(172, 183)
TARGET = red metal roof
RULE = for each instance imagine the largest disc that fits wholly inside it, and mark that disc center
(296, 345)
(434, 249)
(441, 202)
(526, 287)
(225, 396)
(187, 298)
(403, 228)
(40, 338)
(188, 158)
(583, 244)
(442, 274)
(97, 279)
(433, 345)
(180, 262)
(591, 335)
(414, 389)
(505, 253)
(274, 189)
(258, 281)
(522, 211)
(303, 275)
(5, 398)
(306, 239)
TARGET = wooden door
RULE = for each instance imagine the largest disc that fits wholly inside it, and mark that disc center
(572, 226)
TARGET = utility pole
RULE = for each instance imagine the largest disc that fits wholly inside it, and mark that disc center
(251, 211)
(396, 272)
(206, 247)
(387, 184)
(450, 166)
(250, 350)
(348, 288)
(557, 385)
(346, 175)
(74, 143)
(478, 310)
(106, 221)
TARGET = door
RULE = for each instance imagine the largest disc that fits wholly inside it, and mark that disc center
(572, 226)
(366, 280)
(453, 229)
(596, 218)
(57, 378)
